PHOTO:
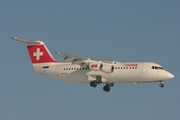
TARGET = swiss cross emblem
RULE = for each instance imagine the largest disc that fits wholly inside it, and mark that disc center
(38, 54)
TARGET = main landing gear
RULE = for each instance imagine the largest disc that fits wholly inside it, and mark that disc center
(161, 84)
(95, 82)
(107, 87)
(98, 81)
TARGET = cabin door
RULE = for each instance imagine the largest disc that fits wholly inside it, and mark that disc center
(144, 68)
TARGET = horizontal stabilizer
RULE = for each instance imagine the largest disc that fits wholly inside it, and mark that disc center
(26, 41)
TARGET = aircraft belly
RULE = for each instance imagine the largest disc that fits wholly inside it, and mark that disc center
(78, 76)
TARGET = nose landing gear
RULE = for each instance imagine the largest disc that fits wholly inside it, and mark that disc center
(161, 84)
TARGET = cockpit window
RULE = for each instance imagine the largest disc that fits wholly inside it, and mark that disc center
(156, 67)
(161, 68)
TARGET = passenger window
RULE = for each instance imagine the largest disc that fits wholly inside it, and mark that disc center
(152, 67)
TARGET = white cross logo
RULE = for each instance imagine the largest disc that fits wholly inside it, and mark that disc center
(38, 54)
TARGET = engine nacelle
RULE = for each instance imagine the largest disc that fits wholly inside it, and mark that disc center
(107, 68)
(95, 66)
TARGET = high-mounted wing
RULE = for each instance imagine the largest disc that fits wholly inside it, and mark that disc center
(71, 58)
(90, 63)
(83, 61)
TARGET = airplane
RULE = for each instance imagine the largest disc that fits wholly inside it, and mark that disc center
(93, 71)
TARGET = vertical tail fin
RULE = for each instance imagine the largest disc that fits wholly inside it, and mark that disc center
(38, 51)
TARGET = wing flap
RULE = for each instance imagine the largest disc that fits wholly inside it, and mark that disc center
(71, 58)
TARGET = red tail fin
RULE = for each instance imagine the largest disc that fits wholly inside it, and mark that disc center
(40, 53)
(37, 50)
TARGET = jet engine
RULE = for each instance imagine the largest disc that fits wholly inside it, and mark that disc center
(95, 66)
(101, 67)
(107, 68)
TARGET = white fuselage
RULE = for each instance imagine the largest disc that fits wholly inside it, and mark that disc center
(89, 70)
(133, 72)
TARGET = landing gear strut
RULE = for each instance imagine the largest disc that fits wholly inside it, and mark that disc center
(98, 79)
(161, 84)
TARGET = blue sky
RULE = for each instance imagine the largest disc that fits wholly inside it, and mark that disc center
(124, 30)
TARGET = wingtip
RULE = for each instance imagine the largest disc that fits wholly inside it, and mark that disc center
(13, 38)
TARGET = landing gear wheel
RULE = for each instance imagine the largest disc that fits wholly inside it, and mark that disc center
(106, 88)
(93, 83)
(161, 85)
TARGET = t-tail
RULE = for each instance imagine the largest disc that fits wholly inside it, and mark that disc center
(38, 51)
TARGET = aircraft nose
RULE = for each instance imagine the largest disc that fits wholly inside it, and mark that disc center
(170, 75)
